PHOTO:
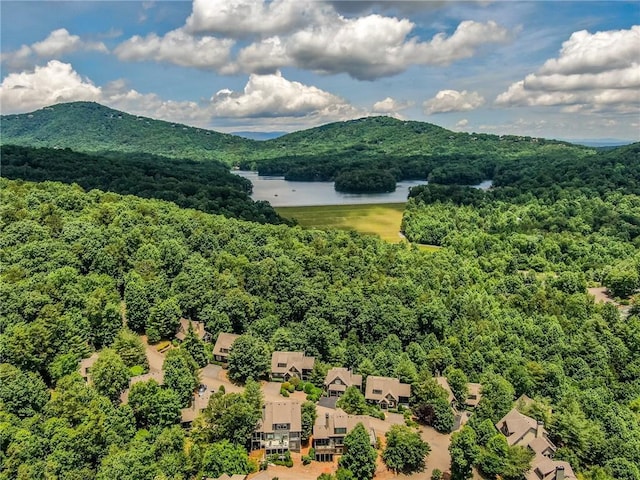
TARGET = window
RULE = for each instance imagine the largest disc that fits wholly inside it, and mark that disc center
(224, 350)
(339, 431)
(281, 426)
(377, 392)
(338, 381)
(282, 365)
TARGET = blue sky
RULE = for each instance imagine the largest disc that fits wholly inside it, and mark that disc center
(566, 70)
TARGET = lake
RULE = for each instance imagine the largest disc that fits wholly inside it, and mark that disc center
(283, 193)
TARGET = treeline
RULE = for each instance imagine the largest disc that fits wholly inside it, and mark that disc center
(70, 259)
(206, 186)
(365, 181)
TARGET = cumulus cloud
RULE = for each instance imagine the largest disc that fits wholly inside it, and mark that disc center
(593, 72)
(59, 43)
(453, 101)
(239, 18)
(53, 83)
(390, 105)
(367, 47)
(460, 124)
(273, 95)
(177, 47)
(265, 98)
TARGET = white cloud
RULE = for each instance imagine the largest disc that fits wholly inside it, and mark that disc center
(239, 18)
(177, 47)
(390, 105)
(593, 72)
(367, 47)
(273, 95)
(60, 42)
(54, 83)
(462, 123)
(453, 101)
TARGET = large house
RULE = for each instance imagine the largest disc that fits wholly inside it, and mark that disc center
(286, 365)
(157, 376)
(338, 379)
(199, 403)
(527, 432)
(223, 346)
(329, 432)
(387, 392)
(280, 428)
(198, 328)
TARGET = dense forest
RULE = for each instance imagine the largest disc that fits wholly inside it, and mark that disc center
(504, 302)
(207, 186)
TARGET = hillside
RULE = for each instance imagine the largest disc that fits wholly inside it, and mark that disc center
(90, 128)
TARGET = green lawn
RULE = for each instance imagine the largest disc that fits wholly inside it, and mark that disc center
(379, 219)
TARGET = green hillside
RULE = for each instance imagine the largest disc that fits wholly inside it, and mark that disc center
(407, 149)
(90, 127)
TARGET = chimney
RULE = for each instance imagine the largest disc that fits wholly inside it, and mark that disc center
(539, 429)
(326, 420)
(559, 473)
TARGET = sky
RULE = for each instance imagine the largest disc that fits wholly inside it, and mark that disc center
(553, 69)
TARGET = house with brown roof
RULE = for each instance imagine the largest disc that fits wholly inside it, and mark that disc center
(85, 365)
(286, 365)
(198, 328)
(223, 346)
(338, 379)
(157, 376)
(279, 429)
(527, 432)
(444, 383)
(329, 432)
(199, 403)
(387, 392)
(474, 395)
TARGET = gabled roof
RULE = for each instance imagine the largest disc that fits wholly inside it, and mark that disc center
(225, 340)
(293, 361)
(280, 413)
(542, 446)
(200, 402)
(183, 328)
(157, 376)
(387, 386)
(326, 424)
(543, 468)
(444, 383)
(347, 377)
(517, 425)
(474, 395)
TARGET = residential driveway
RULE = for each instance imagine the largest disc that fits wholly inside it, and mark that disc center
(213, 376)
(154, 357)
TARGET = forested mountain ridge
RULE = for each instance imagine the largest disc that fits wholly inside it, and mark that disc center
(406, 149)
(93, 128)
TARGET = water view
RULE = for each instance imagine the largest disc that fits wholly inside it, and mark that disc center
(283, 193)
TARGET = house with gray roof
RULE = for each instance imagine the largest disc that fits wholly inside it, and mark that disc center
(387, 392)
(198, 328)
(223, 346)
(286, 365)
(280, 428)
(330, 429)
(338, 379)
(525, 431)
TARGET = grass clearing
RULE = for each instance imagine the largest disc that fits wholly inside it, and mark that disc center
(383, 220)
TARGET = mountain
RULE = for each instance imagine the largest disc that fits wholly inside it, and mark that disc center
(93, 128)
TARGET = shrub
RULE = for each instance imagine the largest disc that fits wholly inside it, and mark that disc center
(284, 393)
(136, 370)
(436, 474)
(306, 459)
(285, 386)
